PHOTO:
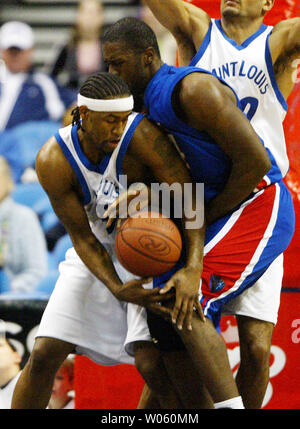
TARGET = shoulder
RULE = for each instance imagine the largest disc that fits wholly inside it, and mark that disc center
(286, 25)
(146, 139)
(205, 90)
(52, 167)
(50, 155)
(285, 39)
(145, 133)
(286, 33)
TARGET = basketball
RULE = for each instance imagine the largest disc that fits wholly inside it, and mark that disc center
(148, 246)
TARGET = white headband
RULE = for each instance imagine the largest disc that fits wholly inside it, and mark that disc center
(111, 105)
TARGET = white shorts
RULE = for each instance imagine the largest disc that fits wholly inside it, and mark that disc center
(261, 301)
(83, 312)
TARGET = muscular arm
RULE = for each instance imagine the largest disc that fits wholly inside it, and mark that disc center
(186, 22)
(215, 112)
(156, 152)
(285, 51)
(66, 200)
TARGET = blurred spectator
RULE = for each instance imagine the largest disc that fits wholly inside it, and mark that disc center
(10, 371)
(20, 146)
(166, 41)
(62, 391)
(27, 95)
(81, 56)
(23, 251)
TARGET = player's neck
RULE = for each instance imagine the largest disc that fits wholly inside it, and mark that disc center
(239, 29)
(93, 154)
(155, 66)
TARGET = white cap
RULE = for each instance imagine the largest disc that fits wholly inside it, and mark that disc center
(16, 34)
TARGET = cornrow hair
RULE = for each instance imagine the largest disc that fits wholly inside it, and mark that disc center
(100, 86)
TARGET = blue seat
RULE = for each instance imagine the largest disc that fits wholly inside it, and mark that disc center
(52, 265)
(42, 206)
(21, 144)
(62, 245)
(46, 285)
(4, 282)
(28, 194)
(49, 220)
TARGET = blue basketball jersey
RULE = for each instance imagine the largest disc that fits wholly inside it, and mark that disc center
(208, 162)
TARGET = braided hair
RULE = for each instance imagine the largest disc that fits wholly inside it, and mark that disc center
(100, 86)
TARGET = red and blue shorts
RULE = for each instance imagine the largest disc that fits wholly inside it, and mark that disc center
(241, 246)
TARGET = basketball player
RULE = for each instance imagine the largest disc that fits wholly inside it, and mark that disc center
(258, 62)
(87, 311)
(201, 112)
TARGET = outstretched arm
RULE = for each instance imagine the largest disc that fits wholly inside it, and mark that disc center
(186, 22)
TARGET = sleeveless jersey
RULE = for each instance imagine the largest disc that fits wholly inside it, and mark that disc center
(208, 162)
(248, 69)
(101, 184)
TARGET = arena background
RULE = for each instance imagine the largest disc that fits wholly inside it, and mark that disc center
(119, 387)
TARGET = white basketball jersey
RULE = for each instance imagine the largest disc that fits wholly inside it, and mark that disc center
(248, 69)
(101, 184)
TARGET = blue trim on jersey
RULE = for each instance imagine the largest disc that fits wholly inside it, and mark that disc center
(247, 42)
(274, 174)
(97, 168)
(75, 167)
(269, 63)
(203, 47)
(126, 140)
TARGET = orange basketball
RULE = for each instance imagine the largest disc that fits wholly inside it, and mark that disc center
(148, 246)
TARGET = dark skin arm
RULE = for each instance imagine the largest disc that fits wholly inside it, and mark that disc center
(152, 158)
(67, 201)
(216, 113)
(187, 23)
